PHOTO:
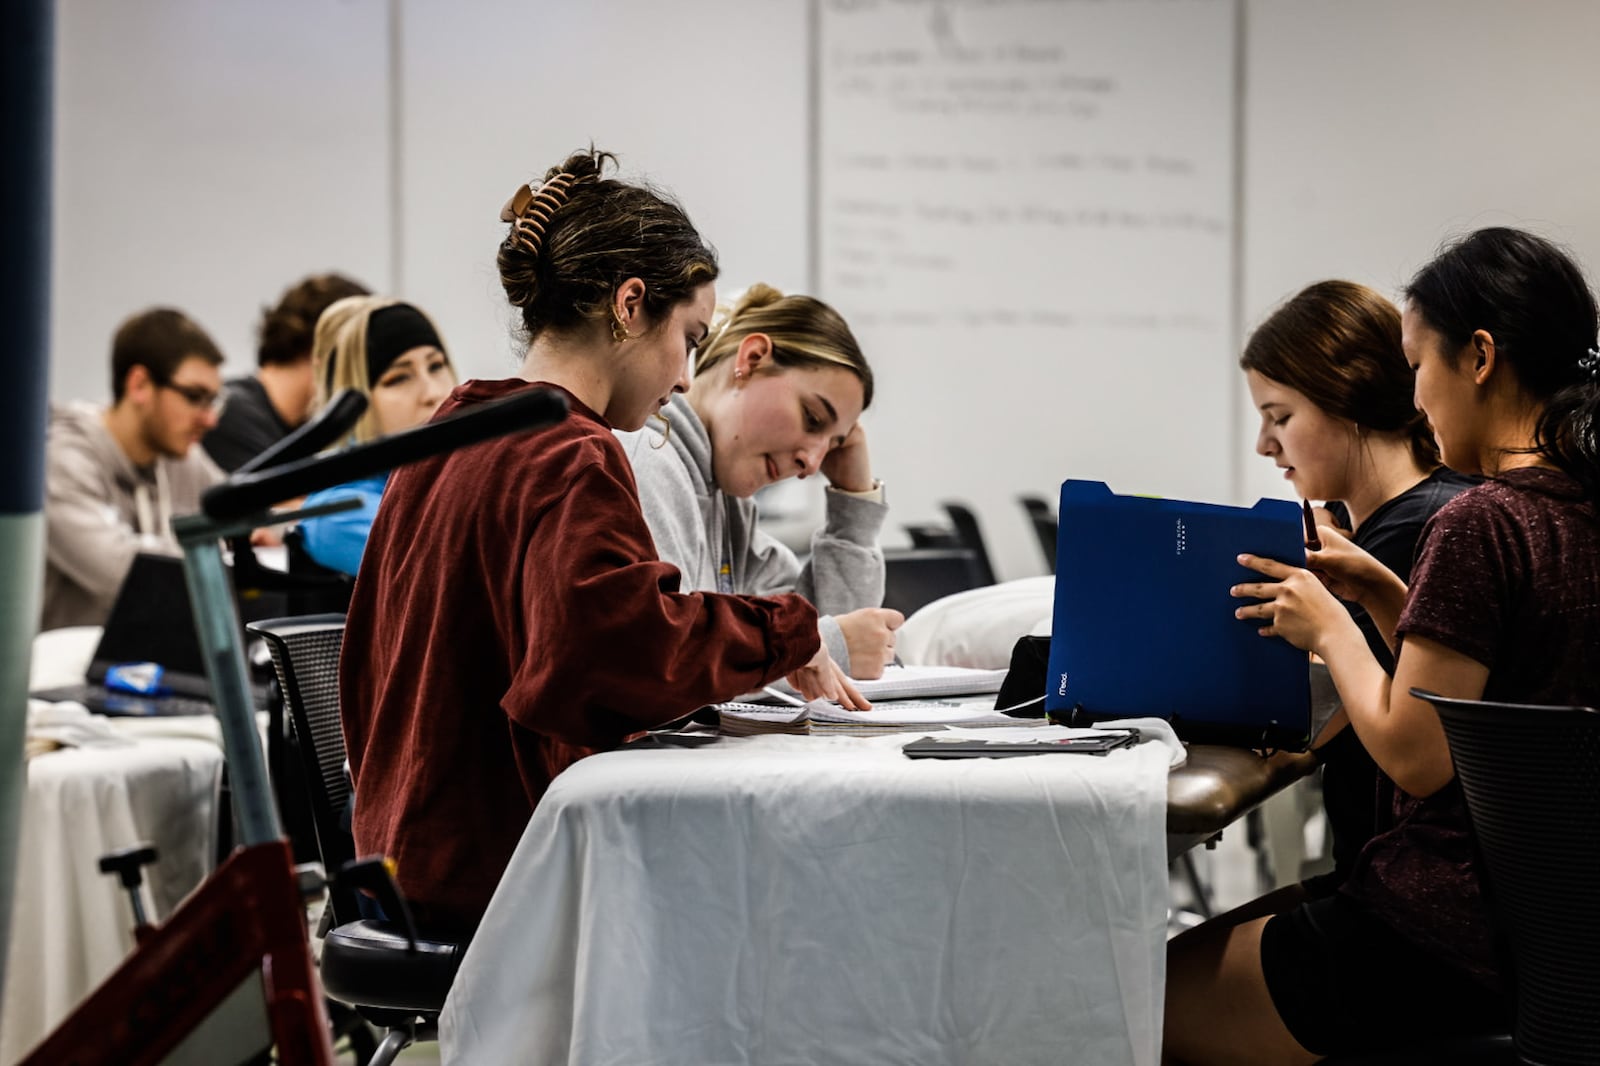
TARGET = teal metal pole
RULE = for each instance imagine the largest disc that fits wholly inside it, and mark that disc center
(26, 62)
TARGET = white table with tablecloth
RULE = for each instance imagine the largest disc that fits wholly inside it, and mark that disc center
(786, 900)
(107, 785)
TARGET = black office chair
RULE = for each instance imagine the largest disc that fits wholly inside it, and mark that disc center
(913, 577)
(1531, 778)
(966, 525)
(932, 535)
(1043, 521)
(370, 965)
(313, 588)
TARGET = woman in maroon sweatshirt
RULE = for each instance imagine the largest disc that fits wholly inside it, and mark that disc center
(511, 615)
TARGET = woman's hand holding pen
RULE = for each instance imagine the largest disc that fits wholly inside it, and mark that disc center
(1351, 573)
(1295, 604)
(822, 679)
(869, 638)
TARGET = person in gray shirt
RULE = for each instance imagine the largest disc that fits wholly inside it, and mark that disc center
(778, 390)
(115, 476)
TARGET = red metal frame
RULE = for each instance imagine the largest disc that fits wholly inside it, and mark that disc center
(245, 918)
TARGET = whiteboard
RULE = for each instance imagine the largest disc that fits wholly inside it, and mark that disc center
(1025, 209)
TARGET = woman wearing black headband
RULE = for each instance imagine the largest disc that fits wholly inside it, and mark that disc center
(391, 352)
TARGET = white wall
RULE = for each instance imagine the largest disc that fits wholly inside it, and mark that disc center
(1377, 129)
(705, 98)
(209, 154)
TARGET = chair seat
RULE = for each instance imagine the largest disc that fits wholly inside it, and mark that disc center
(367, 964)
(1491, 1050)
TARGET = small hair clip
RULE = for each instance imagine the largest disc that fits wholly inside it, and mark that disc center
(1589, 363)
(517, 204)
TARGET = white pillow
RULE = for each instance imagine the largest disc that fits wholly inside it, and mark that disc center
(978, 627)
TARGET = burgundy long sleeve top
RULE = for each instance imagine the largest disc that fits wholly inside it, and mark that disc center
(510, 617)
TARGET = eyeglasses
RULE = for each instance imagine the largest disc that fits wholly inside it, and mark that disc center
(197, 396)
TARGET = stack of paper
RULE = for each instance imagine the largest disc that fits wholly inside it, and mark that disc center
(890, 716)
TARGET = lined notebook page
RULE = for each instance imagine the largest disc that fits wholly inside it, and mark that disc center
(914, 682)
(821, 716)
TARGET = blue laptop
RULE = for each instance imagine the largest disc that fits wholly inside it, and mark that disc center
(1144, 623)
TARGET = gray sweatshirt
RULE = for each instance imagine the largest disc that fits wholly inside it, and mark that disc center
(697, 527)
(100, 510)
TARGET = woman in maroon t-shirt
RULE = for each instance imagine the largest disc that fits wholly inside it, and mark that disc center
(1504, 604)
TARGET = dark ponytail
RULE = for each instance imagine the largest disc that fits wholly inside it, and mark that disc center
(1533, 300)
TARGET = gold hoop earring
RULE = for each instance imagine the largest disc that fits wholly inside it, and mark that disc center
(619, 332)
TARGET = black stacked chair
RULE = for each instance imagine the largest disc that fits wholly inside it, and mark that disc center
(966, 526)
(1531, 778)
(1043, 521)
(374, 966)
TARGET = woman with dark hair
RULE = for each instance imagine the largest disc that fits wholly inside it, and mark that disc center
(1331, 383)
(511, 614)
(1504, 604)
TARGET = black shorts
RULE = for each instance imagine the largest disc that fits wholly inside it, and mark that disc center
(1344, 982)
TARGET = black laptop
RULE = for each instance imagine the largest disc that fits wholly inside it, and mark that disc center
(151, 622)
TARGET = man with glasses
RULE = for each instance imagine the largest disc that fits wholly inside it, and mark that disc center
(115, 476)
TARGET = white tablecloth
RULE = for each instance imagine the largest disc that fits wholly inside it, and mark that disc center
(72, 924)
(818, 900)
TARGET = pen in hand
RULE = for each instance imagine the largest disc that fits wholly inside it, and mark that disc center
(1313, 542)
(782, 696)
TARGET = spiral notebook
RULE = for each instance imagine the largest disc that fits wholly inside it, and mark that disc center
(916, 682)
(890, 716)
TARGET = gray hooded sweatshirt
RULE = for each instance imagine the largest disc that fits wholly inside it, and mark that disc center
(100, 510)
(698, 528)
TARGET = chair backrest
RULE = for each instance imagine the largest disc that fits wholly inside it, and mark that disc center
(1531, 778)
(1045, 526)
(305, 655)
(913, 577)
(930, 535)
(312, 587)
(966, 524)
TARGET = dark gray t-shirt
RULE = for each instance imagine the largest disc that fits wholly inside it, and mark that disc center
(249, 426)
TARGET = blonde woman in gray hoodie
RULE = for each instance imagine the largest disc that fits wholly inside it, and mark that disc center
(778, 391)
(115, 476)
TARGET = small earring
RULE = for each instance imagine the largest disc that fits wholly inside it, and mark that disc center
(619, 332)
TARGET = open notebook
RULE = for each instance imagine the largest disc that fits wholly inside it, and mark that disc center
(917, 682)
(890, 716)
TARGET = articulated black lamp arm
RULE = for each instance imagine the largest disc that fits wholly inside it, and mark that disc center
(337, 417)
(251, 492)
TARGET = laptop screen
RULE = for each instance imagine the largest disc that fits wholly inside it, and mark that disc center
(151, 621)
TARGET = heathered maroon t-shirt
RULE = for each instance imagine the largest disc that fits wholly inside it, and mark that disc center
(1508, 575)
